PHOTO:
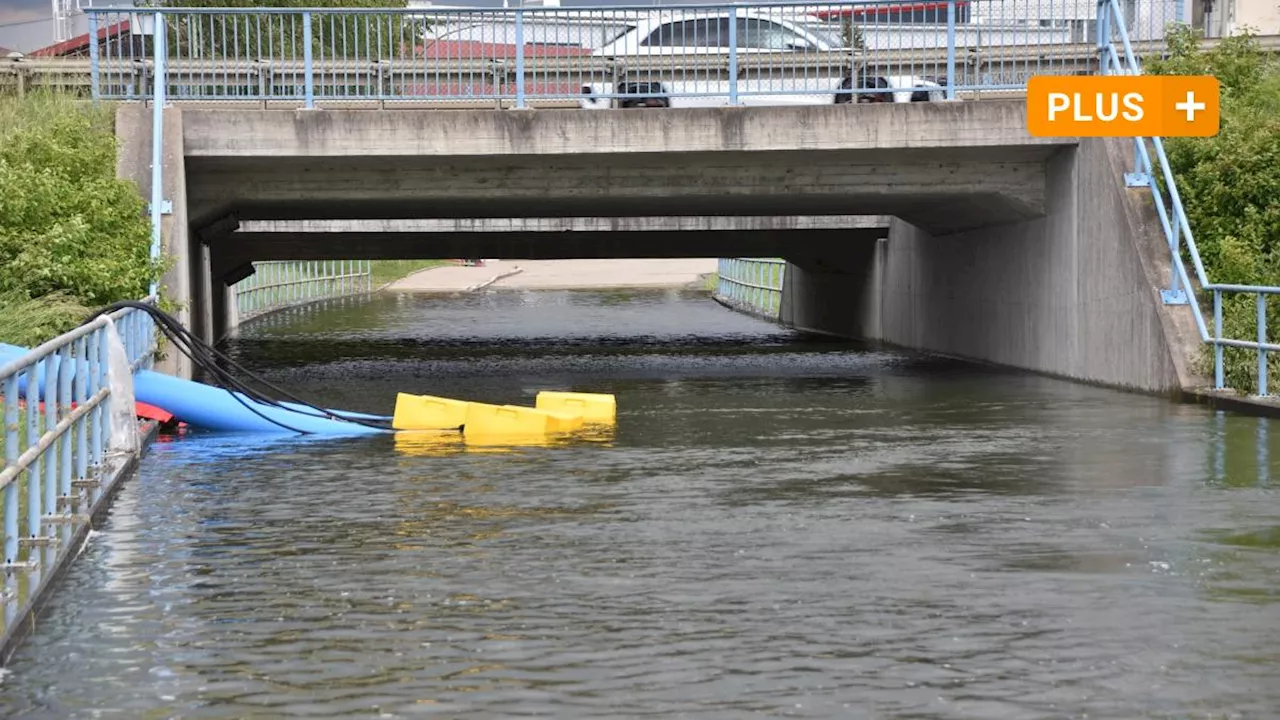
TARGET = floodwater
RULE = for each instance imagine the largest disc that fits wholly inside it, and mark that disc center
(776, 527)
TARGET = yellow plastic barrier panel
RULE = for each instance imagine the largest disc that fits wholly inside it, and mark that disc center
(489, 420)
(593, 407)
(427, 412)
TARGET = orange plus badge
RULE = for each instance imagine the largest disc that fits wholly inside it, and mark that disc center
(1122, 106)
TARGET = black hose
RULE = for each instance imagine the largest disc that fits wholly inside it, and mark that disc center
(209, 359)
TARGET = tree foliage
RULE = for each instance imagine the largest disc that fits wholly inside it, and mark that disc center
(1230, 183)
(68, 228)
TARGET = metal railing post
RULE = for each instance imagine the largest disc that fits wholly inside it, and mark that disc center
(95, 82)
(159, 84)
(951, 49)
(1262, 340)
(308, 71)
(520, 89)
(11, 458)
(1104, 35)
(1218, 381)
(733, 55)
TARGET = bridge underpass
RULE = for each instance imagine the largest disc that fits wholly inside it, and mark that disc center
(536, 238)
(1003, 247)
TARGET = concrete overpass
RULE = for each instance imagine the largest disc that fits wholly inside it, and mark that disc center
(1007, 248)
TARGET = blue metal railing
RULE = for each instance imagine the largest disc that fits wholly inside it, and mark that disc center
(58, 471)
(718, 54)
(752, 285)
(1173, 219)
(280, 284)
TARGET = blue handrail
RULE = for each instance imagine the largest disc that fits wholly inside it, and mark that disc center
(1174, 223)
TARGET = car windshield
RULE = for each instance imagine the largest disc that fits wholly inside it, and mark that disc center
(625, 29)
(824, 36)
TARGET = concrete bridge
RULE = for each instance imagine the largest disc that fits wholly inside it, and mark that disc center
(1002, 247)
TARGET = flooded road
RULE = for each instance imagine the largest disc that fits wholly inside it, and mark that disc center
(776, 527)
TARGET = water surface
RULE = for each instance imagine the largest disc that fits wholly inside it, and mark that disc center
(776, 527)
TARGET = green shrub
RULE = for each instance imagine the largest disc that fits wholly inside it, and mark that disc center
(30, 322)
(1230, 186)
(69, 230)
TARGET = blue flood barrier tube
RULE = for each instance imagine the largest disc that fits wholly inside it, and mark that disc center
(212, 408)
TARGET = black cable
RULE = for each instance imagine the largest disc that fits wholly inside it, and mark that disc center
(207, 358)
(181, 340)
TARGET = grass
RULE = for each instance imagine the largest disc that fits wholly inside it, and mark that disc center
(29, 322)
(386, 271)
(711, 281)
(43, 107)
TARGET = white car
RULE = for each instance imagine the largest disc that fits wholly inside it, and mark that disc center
(707, 33)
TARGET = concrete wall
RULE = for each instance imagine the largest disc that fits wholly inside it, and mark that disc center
(183, 280)
(1073, 294)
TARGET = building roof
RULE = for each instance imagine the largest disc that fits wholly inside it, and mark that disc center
(7, 53)
(80, 43)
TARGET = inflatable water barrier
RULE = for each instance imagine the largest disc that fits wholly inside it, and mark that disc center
(221, 409)
(213, 408)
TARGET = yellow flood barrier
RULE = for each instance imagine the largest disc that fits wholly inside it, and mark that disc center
(498, 420)
(427, 412)
(593, 407)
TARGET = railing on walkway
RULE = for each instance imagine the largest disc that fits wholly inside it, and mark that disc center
(751, 285)
(59, 468)
(281, 284)
(1112, 28)
(742, 53)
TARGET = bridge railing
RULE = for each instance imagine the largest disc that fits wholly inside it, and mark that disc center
(1117, 55)
(718, 53)
(751, 285)
(60, 449)
(280, 284)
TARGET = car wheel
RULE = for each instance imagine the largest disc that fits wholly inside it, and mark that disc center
(651, 93)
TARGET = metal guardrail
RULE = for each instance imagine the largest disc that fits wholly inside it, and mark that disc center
(701, 54)
(277, 81)
(1173, 220)
(58, 473)
(751, 285)
(280, 284)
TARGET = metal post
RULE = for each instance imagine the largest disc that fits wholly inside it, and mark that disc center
(159, 85)
(50, 424)
(11, 458)
(1104, 35)
(81, 350)
(733, 55)
(1262, 339)
(99, 349)
(951, 49)
(34, 495)
(65, 367)
(95, 84)
(1217, 340)
(308, 76)
(520, 99)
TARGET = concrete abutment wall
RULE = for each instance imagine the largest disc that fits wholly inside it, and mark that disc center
(1075, 293)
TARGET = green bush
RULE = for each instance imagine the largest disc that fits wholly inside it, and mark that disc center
(69, 230)
(1230, 186)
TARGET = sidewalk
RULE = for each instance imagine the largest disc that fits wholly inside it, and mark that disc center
(559, 275)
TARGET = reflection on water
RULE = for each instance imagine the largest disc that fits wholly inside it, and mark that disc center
(775, 526)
